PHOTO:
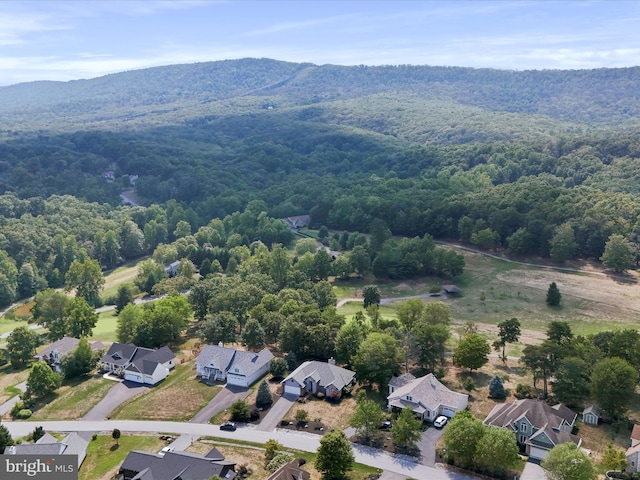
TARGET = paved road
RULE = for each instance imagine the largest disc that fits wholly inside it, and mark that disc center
(302, 441)
(8, 405)
(277, 411)
(119, 393)
(220, 402)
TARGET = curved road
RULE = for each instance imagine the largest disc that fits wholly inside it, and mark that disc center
(307, 442)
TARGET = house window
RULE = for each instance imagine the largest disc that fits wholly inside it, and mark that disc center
(409, 398)
(523, 427)
(428, 413)
(522, 439)
(633, 464)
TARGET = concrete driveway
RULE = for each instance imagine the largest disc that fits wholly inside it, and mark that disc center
(427, 446)
(220, 402)
(277, 412)
(118, 394)
(8, 405)
(532, 471)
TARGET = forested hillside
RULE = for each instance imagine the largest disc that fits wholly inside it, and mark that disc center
(534, 162)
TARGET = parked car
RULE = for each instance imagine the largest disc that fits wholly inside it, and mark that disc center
(228, 426)
(440, 422)
(386, 425)
(165, 450)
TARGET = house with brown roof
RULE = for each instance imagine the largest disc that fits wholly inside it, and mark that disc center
(290, 471)
(537, 426)
(174, 465)
(52, 354)
(319, 377)
(426, 396)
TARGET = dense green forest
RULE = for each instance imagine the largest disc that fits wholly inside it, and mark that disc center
(533, 162)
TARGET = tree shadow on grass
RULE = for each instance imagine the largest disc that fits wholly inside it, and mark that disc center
(114, 447)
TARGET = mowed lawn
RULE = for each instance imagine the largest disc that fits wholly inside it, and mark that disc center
(104, 456)
(177, 398)
(105, 329)
(73, 400)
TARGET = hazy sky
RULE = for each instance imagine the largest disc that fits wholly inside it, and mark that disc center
(66, 40)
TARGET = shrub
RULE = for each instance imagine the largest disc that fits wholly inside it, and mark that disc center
(254, 414)
(320, 395)
(16, 409)
(302, 416)
(468, 384)
(240, 411)
(24, 414)
(523, 391)
(279, 460)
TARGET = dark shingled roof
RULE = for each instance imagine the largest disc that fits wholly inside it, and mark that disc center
(290, 471)
(183, 465)
(538, 413)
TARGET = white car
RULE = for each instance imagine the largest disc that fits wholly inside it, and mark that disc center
(440, 422)
(165, 450)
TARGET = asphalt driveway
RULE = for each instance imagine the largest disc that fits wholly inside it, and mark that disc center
(118, 394)
(427, 446)
(277, 411)
(220, 402)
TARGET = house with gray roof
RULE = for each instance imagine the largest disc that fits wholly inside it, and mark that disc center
(290, 471)
(173, 465)
(236, 367)
(319, 377)
(72, 444)
(52, 354)
(138, 364)
(633, 452)
(537, 426)
(426, 396)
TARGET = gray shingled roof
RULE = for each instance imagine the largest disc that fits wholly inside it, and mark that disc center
(430, 392)
(323, 373)
(557, 437)
(66, 345)
(216, 356)
(119, 353)
(144, 359)
(250, 362)
(402, 380)
(185, 465)
(538, 413)
(290, 471)
(72, 444)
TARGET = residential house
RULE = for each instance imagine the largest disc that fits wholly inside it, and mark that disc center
(138, 364)
(537, 426)
(173, 465)
(592, 414)
(319, 377)
(72, 444)
(236, 367)
(52, 355)
(426, 396)
(290, 471)
(633, 452)
(172, 269)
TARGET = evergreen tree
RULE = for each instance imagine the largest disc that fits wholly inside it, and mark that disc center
(496, 389)
(264, 399)
(5, 438)
(553, 295)
(123, 298)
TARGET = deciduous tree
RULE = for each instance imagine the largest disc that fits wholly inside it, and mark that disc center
(252, 335)
(406, 431)
(567, 462)
(86, 277)
(508, 332)
(367, 419)
(378, 359)
(370, 295)
(42, 380)
(79, 362)
(613, 382)
(472, 352)
(334, 456)
(618, 253)
(21, 346)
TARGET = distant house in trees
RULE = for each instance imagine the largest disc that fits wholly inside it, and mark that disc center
(319, 377)
(237, 367)
(172, 268)
(138, 364)
(633, 452)
(592, 414)
(300, 221)
(451, 289)
(72, 444)
(173, 465)
(426, 396)
(537, 426)
(290, 471)
(52, 355)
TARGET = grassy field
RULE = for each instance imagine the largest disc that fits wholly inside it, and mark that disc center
(104, 457)
(8, 379)
(105, 329)
(121, 275)
(74, 400)
(178, 398)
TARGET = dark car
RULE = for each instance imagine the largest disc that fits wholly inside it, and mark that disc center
(228, 426)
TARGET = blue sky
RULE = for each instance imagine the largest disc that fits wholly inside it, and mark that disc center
(66, 40)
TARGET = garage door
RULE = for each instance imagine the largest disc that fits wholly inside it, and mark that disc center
(238, 380)
(538, 453)
(292, 389)
(448, 412)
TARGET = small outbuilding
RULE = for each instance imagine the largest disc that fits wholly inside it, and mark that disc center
(451, 289)
(592, 414)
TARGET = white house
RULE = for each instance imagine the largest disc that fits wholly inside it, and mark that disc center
(314, 377)
(426, 396)
(633, 452)
(237, 367)
(138, 364)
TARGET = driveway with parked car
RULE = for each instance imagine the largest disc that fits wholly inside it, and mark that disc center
(427, 446)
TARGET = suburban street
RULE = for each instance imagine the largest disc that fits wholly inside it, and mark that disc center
(398, 464)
